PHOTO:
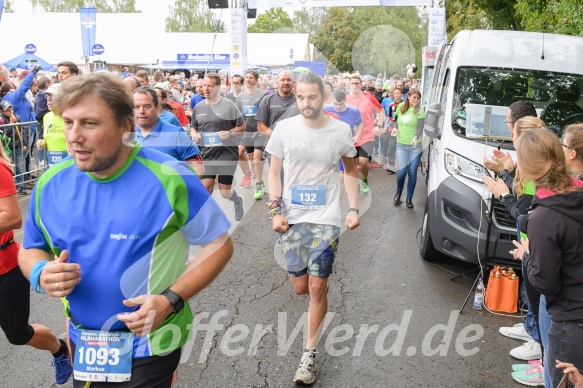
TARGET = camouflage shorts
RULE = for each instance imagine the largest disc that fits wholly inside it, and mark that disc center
(310, 248)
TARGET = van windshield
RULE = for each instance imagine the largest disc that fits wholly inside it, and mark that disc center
(482, 97)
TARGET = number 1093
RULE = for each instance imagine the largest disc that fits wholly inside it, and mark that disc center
(100, 356)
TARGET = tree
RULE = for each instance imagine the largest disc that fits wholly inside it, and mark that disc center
(193, 16)
(309, 20)
(559, 17)
(348, 38)
(463, 15)
(272, 20)
(7, 6)
(109, 6)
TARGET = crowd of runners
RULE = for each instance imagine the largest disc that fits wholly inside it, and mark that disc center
(165, 142)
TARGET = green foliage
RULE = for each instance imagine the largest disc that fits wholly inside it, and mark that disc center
(272, 20)
(193, 16)
(309, 20)
(463, 15)
(559, 17)
(7, 6)
(110, 6)
(395, 35)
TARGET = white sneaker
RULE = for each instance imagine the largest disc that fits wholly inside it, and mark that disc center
(307, 370)
(517, 331)
(528, 351)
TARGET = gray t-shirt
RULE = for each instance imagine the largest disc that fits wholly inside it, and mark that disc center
(274, 108)
(248, 105)
(210, 119)
(311, 187)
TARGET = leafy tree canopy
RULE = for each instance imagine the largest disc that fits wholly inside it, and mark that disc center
(193, 16)
(372, 39)
(109, 6)
(272, 20)
(559, 17)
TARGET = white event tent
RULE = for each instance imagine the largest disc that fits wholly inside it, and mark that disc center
(135, 39)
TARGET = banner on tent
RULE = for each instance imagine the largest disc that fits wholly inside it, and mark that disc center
(88, 28)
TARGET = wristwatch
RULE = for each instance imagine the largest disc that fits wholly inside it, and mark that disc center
(502, 196)
(354, 209)
(175, 300)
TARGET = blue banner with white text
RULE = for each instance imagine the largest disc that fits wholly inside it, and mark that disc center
(88, 28)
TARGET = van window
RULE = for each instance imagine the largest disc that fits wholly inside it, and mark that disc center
(482, 97)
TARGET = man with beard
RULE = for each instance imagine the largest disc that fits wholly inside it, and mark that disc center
(110, 229)
(306, 209)
(277, 106)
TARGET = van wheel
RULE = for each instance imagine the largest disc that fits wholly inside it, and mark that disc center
(426, 249)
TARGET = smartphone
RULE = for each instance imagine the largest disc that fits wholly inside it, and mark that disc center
(564, 381)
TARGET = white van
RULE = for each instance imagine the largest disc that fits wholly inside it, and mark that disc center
(476, 78)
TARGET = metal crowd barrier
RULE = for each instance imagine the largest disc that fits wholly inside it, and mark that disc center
(28, 164)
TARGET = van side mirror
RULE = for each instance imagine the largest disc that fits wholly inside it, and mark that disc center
(432, 120)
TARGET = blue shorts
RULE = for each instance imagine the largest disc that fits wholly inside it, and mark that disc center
(310, 249)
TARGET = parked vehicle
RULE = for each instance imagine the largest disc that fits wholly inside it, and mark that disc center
(476, 78)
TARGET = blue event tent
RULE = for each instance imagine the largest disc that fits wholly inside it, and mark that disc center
(27, 61)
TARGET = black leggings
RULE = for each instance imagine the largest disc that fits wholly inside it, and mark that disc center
(15, 307)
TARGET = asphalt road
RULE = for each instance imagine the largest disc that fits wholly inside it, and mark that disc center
(395, 320)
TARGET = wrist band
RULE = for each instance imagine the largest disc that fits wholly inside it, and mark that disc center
(35, 272)
(275, 206)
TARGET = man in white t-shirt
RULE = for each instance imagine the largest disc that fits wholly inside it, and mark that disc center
(306, 211)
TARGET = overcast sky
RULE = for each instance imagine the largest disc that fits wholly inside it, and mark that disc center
(155, 7)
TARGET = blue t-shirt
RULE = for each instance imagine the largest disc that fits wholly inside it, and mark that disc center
(130, 233)
(195, 100)
(351, 115)
(386, 104)
(170, 140)
(170, 118)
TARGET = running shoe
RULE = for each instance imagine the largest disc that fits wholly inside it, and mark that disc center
(365, 189)
(532, 377)
(528, 351)
(246, 181)
(517, 331)
(307, 370)
(259, 190)
(529, 365)
(391, 170)
(63, 368)
(239, 210)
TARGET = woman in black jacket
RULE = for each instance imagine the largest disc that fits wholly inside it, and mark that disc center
(553, 252)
